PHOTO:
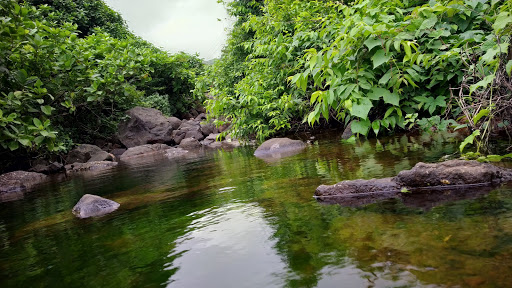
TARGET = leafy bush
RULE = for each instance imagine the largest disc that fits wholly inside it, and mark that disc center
(57, 87)
(371, 62)
(88, 15)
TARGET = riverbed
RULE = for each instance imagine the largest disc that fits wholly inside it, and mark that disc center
(229, 219)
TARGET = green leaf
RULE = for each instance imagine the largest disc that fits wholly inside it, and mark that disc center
(360, 127)
(380, 58)
(390, 98)
(482, 83)
(469, 140)
(361, 108)
(509, 67)
(25, 142)
(503, 19)
(37, 123)
(39, 139)
(482, 113)
(46, 110)
(428, 23)
(13, 145)
(385, 79)
(407, 49)
(372, 42)
(376, 127)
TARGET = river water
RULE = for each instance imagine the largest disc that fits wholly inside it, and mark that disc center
(228, 219)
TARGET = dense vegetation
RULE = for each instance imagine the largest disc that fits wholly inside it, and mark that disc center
(60, 85)
(382, 65)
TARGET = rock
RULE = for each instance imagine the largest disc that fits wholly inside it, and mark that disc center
(94, 206)
(175, 152)
(146, 126)
(211, 141)
(144, 150)
(188, 129)
(201, 117)
(279, 147)
(50, 168)
(102, 156)
(194, 112)
(94, 166)
(117, 152)
(224, 127)
(347, 133)
(358, 186)
(19, 181)
(201, 109)
(207, 128)
(453, 172)
(190, 144)
(423, 186)
(84, 152)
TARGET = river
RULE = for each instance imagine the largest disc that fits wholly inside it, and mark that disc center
(229, 219)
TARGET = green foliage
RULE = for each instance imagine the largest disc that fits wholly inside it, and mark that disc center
(370, 61)
(57, 87)
(87, 15)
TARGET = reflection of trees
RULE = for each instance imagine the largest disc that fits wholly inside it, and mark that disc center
(448, 245)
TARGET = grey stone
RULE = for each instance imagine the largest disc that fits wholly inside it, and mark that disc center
(95, 166)
(453, 172)
(423, 185)
(358, 186)
(207, 128)
(190, 143)
(146, 126)
(48, 168)
(144, 150)
(201, 117)
(19, 181)
(84, 152)
(279, 147)
(94, 206)
(175, 152)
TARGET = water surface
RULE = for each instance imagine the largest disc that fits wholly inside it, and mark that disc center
(228, 219)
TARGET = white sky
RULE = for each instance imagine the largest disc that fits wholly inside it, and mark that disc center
(191, 26)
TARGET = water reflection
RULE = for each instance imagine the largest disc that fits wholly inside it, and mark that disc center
(232, 220)
(233, 240)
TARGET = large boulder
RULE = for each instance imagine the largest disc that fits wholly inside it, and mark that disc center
(144, 150)
(279, 147)
(94, 206)
(431, 181)
(453, 172)
(19, 181)
(146, 126)
(88, 153)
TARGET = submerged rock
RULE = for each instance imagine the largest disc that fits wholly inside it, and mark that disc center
(358, 187)
(94, 206)
(13, 184)
(279, 147)
(423, 179)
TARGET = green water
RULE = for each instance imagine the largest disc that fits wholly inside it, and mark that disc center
(228, 219)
